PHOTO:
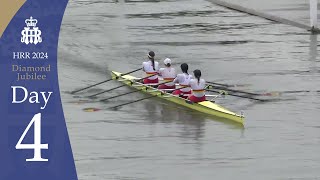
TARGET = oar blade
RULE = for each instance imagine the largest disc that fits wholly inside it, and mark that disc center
(91, 109)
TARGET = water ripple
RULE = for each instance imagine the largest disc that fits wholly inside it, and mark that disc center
(170, 15)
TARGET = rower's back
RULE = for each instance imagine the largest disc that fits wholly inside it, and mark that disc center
(198, 87)
(184, 79)
(168, 74)
(151, 69)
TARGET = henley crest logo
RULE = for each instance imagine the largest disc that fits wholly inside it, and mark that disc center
(31, 34)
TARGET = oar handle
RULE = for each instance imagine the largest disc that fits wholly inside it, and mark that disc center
(134, 101)
(107, 90)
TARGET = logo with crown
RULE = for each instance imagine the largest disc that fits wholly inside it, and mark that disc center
(31, 34)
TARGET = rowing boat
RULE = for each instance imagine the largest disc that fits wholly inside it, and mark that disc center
(207, 107)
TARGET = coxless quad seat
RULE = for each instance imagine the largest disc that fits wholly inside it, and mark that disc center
(184, 92)
(168, 86)
(152, 80)
(196, 99)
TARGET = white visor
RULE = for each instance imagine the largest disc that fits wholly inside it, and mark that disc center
(167, 61)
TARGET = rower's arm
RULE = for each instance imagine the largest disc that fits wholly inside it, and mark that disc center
(176, 80)
(160, 71)
(143, 67)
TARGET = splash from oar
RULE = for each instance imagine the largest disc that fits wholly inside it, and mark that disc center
(91, 109)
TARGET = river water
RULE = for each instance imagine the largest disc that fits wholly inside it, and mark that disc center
(296, 10)
(157, 140)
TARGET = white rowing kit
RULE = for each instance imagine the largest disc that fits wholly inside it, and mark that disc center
(148, 69)
(183, 80)
(197, 87)
(168, 74)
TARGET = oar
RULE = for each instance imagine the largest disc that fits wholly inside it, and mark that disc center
(131, 92)
(215, 96)
(273, 93)
(228, 85)
(108, 90)
(236, 95)
(238, 91)
(114, 96)
(73, 92)
(159, 94)
(133, 101)
(121, 95)
(293, 91)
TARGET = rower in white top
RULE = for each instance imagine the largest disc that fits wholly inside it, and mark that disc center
(168, 74)
(151, 68)
(198, 87)
(183, 79)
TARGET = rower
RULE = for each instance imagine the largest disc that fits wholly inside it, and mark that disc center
(168, 74)
(197, 85)
(183, 79)
(151, 67)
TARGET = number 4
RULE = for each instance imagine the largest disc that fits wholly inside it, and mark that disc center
(36, 146)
